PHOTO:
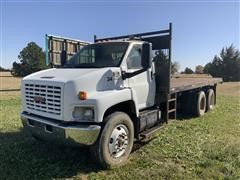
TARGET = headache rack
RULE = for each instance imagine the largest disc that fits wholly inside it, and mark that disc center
(159, 39)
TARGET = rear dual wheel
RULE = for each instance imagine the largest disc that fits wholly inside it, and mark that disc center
(210, 99)
(200, 105)
(204, 103)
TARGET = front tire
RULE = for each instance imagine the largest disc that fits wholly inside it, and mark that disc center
(115, 142)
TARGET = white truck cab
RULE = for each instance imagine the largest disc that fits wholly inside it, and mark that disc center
(70, 103)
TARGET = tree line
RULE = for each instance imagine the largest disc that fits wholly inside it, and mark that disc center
(4, 69)
(225, 65)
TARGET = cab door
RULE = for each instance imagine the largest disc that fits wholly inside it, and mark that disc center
(142, 84)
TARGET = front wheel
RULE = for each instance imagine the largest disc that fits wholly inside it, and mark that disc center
(115, 142)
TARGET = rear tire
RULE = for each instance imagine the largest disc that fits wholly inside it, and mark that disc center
(115, 142)
(210, 99)
(200, 104)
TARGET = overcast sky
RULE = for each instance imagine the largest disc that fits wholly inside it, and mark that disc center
(200, 28)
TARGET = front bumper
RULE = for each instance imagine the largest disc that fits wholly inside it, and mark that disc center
(59, 132)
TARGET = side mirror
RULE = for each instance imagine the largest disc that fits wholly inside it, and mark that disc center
(145, 60)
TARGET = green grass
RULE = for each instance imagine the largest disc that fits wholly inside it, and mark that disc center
(198, 148)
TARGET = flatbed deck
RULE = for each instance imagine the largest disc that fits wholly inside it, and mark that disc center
(179, 84)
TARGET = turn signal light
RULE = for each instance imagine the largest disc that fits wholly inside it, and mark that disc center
(82, 95)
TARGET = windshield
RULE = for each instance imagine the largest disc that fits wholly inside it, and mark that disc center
(99, 55)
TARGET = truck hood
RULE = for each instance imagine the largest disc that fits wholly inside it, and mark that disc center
(61, 75)
(88, 79)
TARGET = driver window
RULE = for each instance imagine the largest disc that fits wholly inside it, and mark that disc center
(134, 57)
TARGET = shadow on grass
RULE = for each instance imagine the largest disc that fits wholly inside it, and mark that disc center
(23, 157)
(185, 117)
(138, 144)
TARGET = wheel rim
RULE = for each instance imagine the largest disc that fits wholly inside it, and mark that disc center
(118, 141)
(202, 104)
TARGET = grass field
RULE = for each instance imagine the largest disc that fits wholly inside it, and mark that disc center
(198, 148)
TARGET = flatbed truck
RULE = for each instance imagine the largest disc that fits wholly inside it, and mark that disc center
(111, 93)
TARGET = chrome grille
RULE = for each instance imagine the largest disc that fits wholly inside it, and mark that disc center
(44, 98)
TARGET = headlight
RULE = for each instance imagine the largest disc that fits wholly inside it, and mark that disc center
(83, 113)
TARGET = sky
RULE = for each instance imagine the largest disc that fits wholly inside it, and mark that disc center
(200, 28)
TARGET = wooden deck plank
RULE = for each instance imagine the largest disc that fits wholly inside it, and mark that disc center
(187, 83)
